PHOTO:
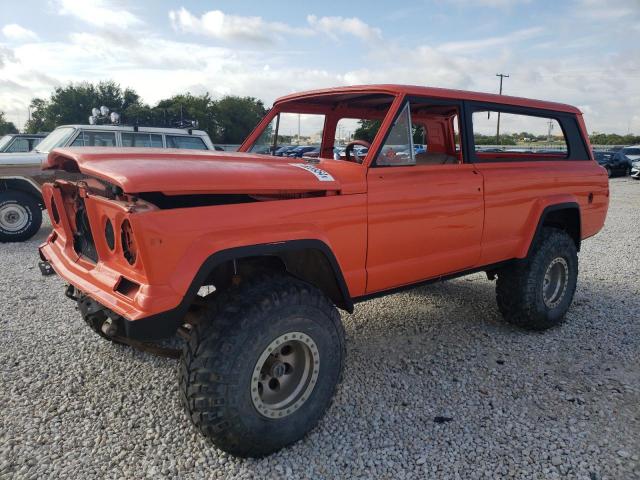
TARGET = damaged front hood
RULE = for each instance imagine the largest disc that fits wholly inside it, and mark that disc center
(179, 172)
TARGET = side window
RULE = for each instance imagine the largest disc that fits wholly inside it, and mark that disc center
(503, 136)
(19, 145)
(141, 140)
(398, 147)
(79, 141)
(184, 141)
(95, 139)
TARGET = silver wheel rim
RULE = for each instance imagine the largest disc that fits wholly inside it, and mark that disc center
(285, 375)
(13, 217)
(555, 282)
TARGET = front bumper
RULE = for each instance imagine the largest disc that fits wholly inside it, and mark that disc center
(136, 319)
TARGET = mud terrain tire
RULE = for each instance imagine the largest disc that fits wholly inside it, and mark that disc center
(224, 385)
(536, 293)
(20, 216)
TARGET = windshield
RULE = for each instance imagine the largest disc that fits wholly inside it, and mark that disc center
(297, 127)
(55, 139)
(4, 141)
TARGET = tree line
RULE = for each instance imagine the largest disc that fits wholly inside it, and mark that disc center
(227, 120)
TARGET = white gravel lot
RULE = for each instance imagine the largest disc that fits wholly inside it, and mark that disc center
(562, 404)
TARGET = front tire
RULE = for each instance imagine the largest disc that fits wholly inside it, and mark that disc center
(536, 293)
(259, 371)
(20, 216)
(609, 171)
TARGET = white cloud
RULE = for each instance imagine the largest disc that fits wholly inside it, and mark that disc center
(482, 44)
(223, 26)
(489, 3)
(15, 33)
(220, 25)
(563, 65)
(334, 26)
(99, 13)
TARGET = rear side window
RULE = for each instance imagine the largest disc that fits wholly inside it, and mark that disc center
(141, 140)
(19, 145)
(95, 139)
(506, 136)
(188, 142)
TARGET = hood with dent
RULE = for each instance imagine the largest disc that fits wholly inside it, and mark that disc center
(137, 170)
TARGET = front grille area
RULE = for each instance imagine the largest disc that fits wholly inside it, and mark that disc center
(83, 242)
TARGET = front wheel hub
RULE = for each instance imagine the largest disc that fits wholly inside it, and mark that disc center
(284, 375)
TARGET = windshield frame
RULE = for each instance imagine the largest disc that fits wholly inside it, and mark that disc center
(61, 140)
(333, 113)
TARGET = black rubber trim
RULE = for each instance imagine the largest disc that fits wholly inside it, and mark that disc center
(441, 278)
(553, 208)
(576, 143)
(166, 323)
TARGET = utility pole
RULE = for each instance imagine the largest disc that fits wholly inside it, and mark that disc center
(502, 76)
(550, 125)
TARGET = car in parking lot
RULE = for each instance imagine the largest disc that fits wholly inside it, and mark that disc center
(298, 152)
(21, 201)
(20, 142)
(635, 170)
(613, 162)
(283, 243)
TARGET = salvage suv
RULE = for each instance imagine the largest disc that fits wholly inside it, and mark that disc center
(249, 256)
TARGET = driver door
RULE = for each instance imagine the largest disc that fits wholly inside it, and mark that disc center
(424, 220)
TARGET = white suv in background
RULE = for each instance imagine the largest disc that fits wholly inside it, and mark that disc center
(20, 174)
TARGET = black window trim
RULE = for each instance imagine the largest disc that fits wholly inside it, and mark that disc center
(575, 141)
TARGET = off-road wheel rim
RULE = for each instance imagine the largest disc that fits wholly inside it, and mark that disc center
(609, 172)
(555, 282)
(285, 375)
(13, 217)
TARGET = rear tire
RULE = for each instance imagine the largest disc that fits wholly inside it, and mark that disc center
(609, 171)
(260, 369)
(536, 293)
(20, 216)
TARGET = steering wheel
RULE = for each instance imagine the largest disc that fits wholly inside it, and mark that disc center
(349, 149)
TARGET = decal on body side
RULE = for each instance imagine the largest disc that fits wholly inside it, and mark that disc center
(318, 172)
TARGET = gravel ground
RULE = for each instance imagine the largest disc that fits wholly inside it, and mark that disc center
(436, 385)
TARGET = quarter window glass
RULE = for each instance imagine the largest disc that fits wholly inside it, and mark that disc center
(95, 139)
(141, 140)
(188, 142)
(398, 148)
(500, 136)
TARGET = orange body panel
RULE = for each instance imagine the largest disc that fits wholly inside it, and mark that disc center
(387, 227)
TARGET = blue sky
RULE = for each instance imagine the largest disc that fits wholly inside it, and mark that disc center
(583, 52)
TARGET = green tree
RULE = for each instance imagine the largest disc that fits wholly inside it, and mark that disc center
(235, 118)
(597, 138)
(6, 126)
(367, 130)
(73, 104)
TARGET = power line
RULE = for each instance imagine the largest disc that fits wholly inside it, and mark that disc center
(502, 76)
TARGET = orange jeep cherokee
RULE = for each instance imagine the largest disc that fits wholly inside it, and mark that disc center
(281, 242)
